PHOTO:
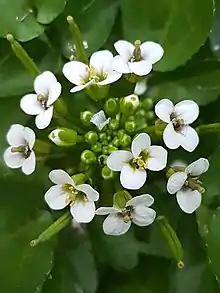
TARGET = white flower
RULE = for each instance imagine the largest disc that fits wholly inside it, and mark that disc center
(20, 154)
(133, 165)
(99, 120)
(136, 210)
(47, 91)
(98, 72)
(178, 132)
(80, 197)
(187, 186)
(137, 58)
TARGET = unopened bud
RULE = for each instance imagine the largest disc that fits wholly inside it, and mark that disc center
(150, 116)
(112, 149)
(120, 198)
(64, 137)
(107, 173)
(111, 107)
(91, 137)
(125, 140)
(130, 126)
(88, 157)
(79, 178)
(102, 136)
(102, 160)
(116, 141)
(147, 104)
(97, 147)
(129, 104)
(113, 124)
(85, 117)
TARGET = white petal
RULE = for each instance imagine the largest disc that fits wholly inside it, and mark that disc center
(60, 177)
(81, 87)
(187, 110)
(143, 216)
(106, 210)
(118, 159)
(125, 49)
(157, 158)
(55, 197)
(114, 225)
(144, 200)
(111, 77)
(140, 143)
(83, 211)
(29, 164)
(176, 182)
(198, 167)
(140, 87)
(189, 138)
(171, 138)
(100, 120)
(120, 65)
(43, 120)
(101, 61)
(30, 105)
(13, 160)
(163, 110)
(76, 72)
(132, 178)
(189, 200)
(30, 137)
(178, 163)
(15, 135)
(140, 68)
(151, 52)
(44, 82)
(90, 192)
(54, 93)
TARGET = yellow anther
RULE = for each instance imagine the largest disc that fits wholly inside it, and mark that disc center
(140, 163)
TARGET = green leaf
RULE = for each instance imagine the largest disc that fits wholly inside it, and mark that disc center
(180, 29)
(214, 34)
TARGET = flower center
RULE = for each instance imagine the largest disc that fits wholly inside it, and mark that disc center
(194, 184)
(140, 162)
(137, 52)
(73, 194)
(94, 75)
(177, 123)
(43, 100)
(126, 213)
(24, 150)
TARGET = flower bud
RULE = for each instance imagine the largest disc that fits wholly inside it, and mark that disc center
(105, 150)
(79, 178)
(91, 137)
(111, 107)
(130, 126)
(85, 117)
(147, 104)
(107, 173)
(129, 104)
(112, 149)
(113, 124)
(63, 137)
(125, 140)
(150, 116)
(102, 136)
(102, 160)
(88, 157)
(97, 147)
(120, 198)
(120, 133)
(116, 141)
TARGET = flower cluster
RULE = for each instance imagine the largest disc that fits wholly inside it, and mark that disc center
(117, 138)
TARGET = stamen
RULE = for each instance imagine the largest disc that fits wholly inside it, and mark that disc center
(43, 100)
(137, 52)
(140, 163)
(22, 149)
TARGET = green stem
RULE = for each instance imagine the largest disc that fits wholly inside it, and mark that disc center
(208, 128)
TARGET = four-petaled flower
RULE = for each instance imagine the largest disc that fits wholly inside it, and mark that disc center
(136, 210)
(48, 90)
(20, 154)
(187, 186)
(133, 165)
(178, 132)
(81, 197)
(137, 58)
(98, 72)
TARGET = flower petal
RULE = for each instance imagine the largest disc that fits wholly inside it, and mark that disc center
(163, 110)
(141, 87)
(187, 110)
(102, 211)
(157, 158)
(99, 119)
(90, 192)
(13, 160)
(144, 200)
(60, 177)
(15, 135)
(198, 167)
(30, 105)
(151, 51)
(120, 65)
(76, 72)
(101, 61)
(132, 178)
(81, 87)
(44, 82)
(189, 200)
(171, 138)
(125, 49)
(54, 93)
(30, 137)
(29, 164)
(55, 197)
(43, 120)
(111, 77)
(118, 159)
(189, 138)
(140, 143)
(114, 225)
(83, 211)
(176, 182)
(143, 216)
(140, 68)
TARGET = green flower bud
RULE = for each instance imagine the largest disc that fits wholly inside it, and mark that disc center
(120, 198)
(120, 133)
(116, 141)
(105, 142)
(113, 124)
(64, 137)
(105, 150)
(111, 107)
(130, 126)
(125, 140)
(97, 147)
(85, 117)
(79, 178)
(112, 149)
(150, 116)
(102, 136)
(141, 113)
(147, 104)
(88, 157)
(102, 160)
(91, 137)
(107, 173)
(129, 104)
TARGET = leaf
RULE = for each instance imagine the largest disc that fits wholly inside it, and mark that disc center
(214, 34)
(180, 29)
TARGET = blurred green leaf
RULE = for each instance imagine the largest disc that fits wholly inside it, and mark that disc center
(180, 29)
(214, 34)
(48, 10)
